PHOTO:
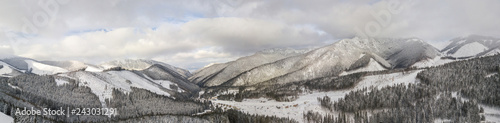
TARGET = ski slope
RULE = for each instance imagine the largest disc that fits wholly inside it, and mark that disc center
(470, 49)
(436, 61)
(93, 69)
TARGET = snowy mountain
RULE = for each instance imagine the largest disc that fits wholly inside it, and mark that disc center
(347, 54)
(472, 46)
(160, 78)
(141, 64)
(215, 74)
(26, 65)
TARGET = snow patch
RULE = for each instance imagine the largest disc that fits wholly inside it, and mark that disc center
(491, 74)
(93, 69)
(15, 87)
(60, 82)
(470, 49)
(6, 69)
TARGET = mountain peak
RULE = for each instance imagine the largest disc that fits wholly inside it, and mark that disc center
(141, 64)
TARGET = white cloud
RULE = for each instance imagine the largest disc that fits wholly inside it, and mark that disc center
(224, 37)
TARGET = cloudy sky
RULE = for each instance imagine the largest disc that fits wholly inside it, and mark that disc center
(194, 33)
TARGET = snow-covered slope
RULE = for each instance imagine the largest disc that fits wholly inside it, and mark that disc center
(43, 69)
(5, 118)
(372, 66)
(331, 60)
(472, 46)
(6, 70)
(216, 74)
(18, 63)
(93, 68)
(436, 61)
(492, 52)
(470, 49)
(68, 65)
(141, 64)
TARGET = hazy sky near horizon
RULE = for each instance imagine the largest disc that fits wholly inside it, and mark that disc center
(193, 33)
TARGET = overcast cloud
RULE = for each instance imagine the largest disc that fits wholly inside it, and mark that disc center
(194, 33)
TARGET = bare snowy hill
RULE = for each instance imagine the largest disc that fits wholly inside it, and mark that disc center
(26, 65)
(141, 64)
(472, 46)
(217, 73)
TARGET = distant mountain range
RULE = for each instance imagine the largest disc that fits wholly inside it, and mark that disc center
(337, 62)
(344, 56)
(284, 65)
(281, 65)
